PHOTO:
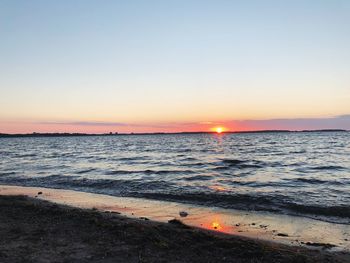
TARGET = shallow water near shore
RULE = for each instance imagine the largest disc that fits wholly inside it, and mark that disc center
(285, 229)
(298, 173)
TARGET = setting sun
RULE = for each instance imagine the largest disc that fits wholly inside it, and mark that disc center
(218, 129)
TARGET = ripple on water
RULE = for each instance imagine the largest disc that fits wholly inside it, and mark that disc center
(298, 173)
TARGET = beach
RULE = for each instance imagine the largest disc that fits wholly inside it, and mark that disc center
(39, 231)
(36, 230)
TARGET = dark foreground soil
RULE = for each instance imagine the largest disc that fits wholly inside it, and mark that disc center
(37, 231)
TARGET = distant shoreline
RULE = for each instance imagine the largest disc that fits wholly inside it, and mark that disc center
(36, 134)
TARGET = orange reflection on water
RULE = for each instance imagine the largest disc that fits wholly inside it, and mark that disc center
(218, 188)
(215, 222)
(216, 225)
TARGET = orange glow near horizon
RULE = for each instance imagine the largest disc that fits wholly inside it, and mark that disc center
(218, 129)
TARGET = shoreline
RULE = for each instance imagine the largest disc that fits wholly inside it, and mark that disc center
(36, 230)
(67, 134)
(282, 229)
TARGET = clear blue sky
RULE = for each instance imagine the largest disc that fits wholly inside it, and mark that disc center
(156, 62)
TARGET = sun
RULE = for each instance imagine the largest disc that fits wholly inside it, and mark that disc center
(219, 129)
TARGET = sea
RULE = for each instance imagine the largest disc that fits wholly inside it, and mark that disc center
(295, 173)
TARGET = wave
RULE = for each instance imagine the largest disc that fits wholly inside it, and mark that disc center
(198, 178)
(149, 172)
(256, 184)
(169, 191)
(233, 161)
(196, 164)
(338, 211)
(318, 181)
(239, 164)
(136, 158)
(328, 167)
(25, 155)
(109, 186)
(60, 155)
(86, 171)
(255, 202)
(298, 152)
(213, 199)
(7, 174)
(189, 159)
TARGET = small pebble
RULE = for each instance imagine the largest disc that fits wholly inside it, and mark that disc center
(183, 214)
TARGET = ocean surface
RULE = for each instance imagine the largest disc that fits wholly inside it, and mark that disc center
(302, 173)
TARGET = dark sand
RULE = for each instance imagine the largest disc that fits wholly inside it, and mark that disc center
(32, 230)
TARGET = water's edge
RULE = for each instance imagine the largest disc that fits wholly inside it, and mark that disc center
(285, 229)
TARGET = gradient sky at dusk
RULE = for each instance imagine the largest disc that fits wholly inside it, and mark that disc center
(144, 66)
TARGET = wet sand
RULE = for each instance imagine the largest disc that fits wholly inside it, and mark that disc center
(290, 230)
(36, 230)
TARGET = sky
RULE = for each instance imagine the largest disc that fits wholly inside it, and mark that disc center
(165, 66)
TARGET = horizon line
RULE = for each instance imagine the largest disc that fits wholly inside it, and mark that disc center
(43, 134)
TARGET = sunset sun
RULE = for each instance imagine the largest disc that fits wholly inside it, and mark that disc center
(218, 129)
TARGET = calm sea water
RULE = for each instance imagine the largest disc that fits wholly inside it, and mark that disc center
(307, 174)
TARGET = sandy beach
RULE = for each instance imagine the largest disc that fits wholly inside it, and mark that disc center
(35, 230)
